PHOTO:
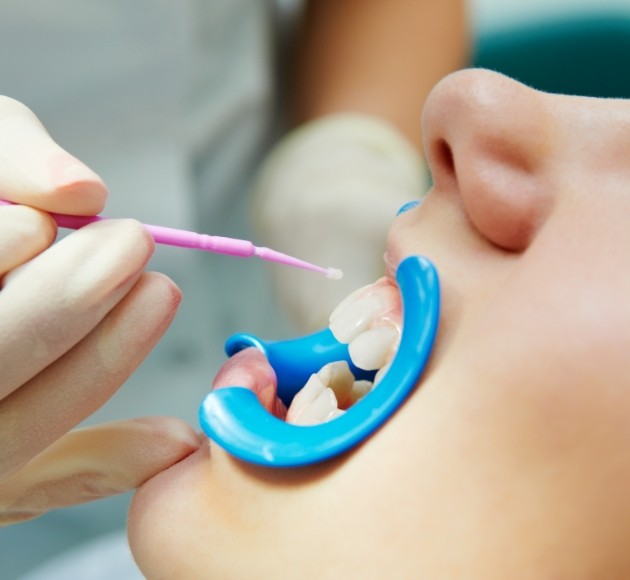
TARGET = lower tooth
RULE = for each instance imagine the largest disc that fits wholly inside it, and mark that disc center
(319, 410)
(338, 377)
(336, 413)
(334, 388)
(360, 389)
(305, 397)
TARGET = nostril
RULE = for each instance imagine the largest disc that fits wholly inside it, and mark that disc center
(443, 157)
(489, 144)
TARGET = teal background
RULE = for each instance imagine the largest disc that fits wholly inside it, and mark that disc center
(583, 55)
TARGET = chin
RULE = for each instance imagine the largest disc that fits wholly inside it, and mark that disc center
(158, 521)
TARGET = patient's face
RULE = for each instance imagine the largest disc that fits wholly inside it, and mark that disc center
(512, 456)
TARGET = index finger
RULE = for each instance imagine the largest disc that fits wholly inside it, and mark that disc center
(35, 171)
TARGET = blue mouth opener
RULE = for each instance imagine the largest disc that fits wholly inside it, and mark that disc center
(234, 418)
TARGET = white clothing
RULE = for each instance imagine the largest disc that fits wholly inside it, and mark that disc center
(171, 103)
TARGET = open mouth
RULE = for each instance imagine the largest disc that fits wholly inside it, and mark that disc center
(304, 400)
(369, 321)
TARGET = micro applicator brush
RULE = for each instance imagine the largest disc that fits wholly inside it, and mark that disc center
(205, 242)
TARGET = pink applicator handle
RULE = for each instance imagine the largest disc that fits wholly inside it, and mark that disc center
(205, 242)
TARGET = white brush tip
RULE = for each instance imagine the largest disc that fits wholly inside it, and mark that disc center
(334, 274)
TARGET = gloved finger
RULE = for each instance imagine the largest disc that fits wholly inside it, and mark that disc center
(74, 386)
(327, 194)
(24, 233)
(35, 171)
(50, 303)
(330, 237)
(95, 462)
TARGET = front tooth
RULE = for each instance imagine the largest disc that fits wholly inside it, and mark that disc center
(371, 349)
(336, 413)
(320, 410)
(355, 317)
(348, 299)
(304, 397)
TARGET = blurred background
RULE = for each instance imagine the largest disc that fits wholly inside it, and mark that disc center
(135, 89)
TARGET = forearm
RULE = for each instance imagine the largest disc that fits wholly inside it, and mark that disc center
(378, 57)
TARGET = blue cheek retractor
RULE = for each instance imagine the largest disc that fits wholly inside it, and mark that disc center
(234, 418)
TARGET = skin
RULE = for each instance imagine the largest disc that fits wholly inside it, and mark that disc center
(76, 319)
(510, 459)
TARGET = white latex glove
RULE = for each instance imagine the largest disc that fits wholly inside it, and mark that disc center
(328, 193)
(76, 318)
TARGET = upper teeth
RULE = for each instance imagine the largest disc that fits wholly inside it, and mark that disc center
(355, 314)
(369, 320)
(372, 348)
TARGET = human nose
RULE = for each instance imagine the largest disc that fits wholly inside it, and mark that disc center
(487, 139)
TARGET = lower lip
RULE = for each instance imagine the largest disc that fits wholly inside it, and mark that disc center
(201, 455)
(152, 490)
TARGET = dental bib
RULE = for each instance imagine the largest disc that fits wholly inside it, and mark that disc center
(235, 419)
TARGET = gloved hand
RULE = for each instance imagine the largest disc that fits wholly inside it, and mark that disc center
(328, 193)
(76, 318)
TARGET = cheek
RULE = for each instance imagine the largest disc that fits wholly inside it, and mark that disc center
(554, 352)
(544, 391)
